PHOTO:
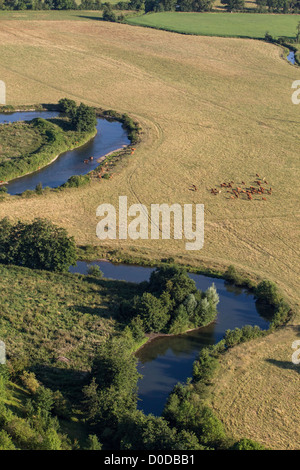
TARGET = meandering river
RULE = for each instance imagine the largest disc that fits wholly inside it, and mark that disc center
(167, 360)
(110, 136)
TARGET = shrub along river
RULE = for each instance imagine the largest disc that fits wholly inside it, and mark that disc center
(110, 136)
(167, 360)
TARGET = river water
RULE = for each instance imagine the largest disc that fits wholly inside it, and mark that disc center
(110, 136)
(168, 360)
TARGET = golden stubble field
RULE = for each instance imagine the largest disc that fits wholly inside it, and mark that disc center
(212, 110)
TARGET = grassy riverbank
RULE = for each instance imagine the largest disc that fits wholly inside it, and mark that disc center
(46, 315)
(29, 146)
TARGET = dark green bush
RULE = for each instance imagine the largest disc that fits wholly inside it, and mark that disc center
(36, 245)
(76, 181)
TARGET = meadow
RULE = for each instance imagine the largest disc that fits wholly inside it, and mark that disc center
(18, 139)
(212, 110)
(248, 25)
(46, 316)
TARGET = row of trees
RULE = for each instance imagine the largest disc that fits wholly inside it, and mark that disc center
(66, 5)
(277, 6)
(280, 6)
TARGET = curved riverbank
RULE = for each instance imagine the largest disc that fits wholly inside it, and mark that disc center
(63, 149)
(79, 157)
(149, 337)
(166, 359)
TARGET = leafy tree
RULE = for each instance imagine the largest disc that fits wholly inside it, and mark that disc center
(298, 32)
(108, 13)
(36, 245)
(64, 5)
(43, 399)
(267, 292)
(172, 280)
(247, 444)
(152, 312)
(51, 441)
(91, 400)
(186, 412)
(94, 270)
(234, 5)
(113, 390)
(6, 442)
(67, 107)
(93, 443)
(205, 366)
(84, 119)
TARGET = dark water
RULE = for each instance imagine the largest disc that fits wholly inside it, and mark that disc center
(110, 136)
(168, 360)
(291, 57)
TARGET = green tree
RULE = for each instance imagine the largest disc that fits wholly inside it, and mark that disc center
(36, 245)
(234, 5)
(91, 400)
(205, 366)
(93, 443)
(298, 32)
(68, 107)
(267, 292)
(84, 119)
(6, 442)
(108, 13)
(152, 312)
(247, 444)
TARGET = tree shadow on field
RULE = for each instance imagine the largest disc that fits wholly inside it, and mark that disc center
(285, 365)
(69, 381)
(289, 364)
(96, 18)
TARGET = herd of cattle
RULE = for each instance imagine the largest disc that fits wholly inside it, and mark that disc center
(242, 190)
(261, 188)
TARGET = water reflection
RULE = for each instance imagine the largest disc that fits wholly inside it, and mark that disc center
(168, 360)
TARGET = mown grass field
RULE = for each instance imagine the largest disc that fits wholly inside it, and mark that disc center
(212, 110)
(250, 25)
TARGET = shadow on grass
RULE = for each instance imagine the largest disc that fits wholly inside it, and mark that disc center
(285, 365)
(90, 17)
(69, 381)
(63, 124)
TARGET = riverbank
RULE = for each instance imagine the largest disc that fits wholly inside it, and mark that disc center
(149, 337)
(55, 138)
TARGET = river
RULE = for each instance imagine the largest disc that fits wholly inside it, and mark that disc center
(167, 360)
(110, 136)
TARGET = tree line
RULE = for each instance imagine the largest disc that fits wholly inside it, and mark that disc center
(272, 6)
(66, 5)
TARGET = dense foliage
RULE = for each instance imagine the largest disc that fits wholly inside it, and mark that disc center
(171, 303)
(36, 245)
(82, 117)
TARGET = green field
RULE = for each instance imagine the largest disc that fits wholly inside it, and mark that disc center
(250, 25)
